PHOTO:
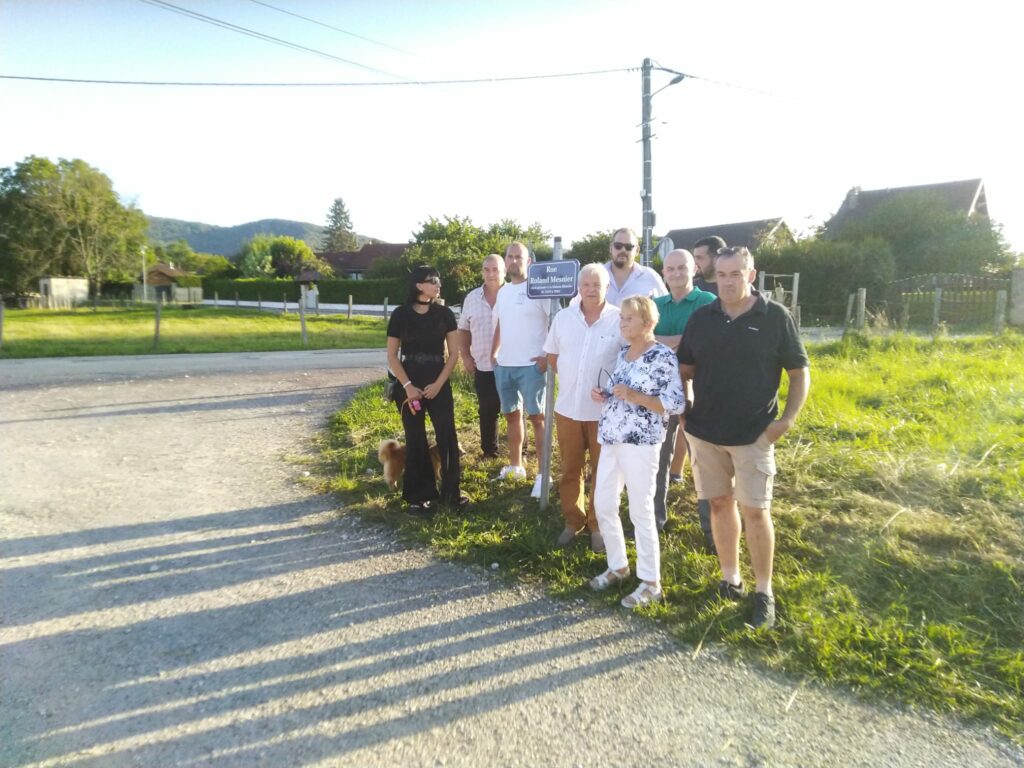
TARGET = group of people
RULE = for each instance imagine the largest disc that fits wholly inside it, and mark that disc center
(650, 368)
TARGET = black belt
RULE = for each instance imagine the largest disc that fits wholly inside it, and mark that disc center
(422, 357)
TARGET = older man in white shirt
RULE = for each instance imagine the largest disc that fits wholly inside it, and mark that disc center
(584, 340)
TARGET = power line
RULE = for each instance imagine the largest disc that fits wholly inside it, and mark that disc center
(329, 26)
(259, 35)
(465, 81)
(723, 83)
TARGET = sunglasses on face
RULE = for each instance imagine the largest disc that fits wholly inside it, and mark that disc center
(627, 246)
(432, 280)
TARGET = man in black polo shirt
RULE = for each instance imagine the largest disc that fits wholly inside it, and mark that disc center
(735, 350)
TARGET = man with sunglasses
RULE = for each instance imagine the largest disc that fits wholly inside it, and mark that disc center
(626, 277)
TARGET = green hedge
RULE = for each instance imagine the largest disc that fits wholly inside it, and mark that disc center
(331, 291)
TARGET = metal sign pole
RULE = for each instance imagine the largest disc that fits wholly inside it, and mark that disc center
(549, 402)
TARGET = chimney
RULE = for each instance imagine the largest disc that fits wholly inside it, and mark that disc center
(852, 198)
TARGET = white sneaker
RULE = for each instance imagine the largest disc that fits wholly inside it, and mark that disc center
(516, 473)
(535, 493)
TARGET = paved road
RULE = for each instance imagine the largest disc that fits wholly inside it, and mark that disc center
(171, 595)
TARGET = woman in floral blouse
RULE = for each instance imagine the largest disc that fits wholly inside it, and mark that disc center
(643, 391)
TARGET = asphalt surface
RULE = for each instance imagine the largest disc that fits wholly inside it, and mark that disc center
(172, 594)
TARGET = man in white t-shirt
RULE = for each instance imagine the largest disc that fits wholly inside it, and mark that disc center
(520, 328)
(626, 277)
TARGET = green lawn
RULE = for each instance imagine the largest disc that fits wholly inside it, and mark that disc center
(129, 331)
(899, 517)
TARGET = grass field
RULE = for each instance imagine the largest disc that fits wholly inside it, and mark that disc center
(129, 331)
(899, 515)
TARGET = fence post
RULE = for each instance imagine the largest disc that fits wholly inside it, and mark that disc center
(796, 291)
(849, 311)
(302, 312)
(156, 330)
(236, 299)
(1000, 324)
(760, 282)
(905, 316)
(936, 307)
(216, 300)
(385, 309)
(862, 300)
(284, 304)
(350, 306)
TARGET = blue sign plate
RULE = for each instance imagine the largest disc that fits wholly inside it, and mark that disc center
(552, 279)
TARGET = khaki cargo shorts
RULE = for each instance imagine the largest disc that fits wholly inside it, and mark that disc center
(744, 471)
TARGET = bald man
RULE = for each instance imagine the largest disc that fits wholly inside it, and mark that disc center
(675, 309)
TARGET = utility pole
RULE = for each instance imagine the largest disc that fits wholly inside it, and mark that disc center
(645, 127)
(143, 252)
(645, 196)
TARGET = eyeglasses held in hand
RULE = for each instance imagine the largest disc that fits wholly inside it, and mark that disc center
(627, 246)
(604, 382)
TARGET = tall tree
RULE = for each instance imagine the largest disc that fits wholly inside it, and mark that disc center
(338, 233)
(591, 248)
(104, 236)
(65, 218)
(30, 246)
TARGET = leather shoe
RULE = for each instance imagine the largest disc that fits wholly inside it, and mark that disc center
(566, 537)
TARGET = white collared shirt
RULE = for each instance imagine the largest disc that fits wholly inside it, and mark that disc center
(642, 281)
(478, 317)
(583, 350)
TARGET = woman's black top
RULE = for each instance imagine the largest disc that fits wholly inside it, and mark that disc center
(422, 334)
(421, 342)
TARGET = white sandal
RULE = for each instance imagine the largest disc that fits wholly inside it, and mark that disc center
(643, 595)
(607, 579)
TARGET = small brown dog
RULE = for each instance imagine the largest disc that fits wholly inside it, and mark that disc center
(392, 457)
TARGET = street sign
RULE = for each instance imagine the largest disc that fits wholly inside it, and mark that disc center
(552, 279)
(665, 247)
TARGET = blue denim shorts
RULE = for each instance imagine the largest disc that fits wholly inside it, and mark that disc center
(515, 380)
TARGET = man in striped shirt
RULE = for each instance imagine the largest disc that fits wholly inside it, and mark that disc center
(476, 333)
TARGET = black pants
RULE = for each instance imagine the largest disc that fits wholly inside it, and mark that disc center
(668, 450)
(489, 408)
(419, 484)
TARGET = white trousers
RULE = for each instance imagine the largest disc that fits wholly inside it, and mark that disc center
(636, 468)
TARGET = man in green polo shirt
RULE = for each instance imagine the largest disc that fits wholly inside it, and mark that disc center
(674, 310)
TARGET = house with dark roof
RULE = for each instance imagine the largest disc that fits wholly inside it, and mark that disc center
(163, 283)
(751, 234)
(967, 197)
(353, 265)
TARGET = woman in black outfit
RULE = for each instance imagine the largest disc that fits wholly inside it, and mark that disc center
(418, 332)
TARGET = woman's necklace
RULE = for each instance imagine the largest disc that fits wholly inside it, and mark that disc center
(632, 356)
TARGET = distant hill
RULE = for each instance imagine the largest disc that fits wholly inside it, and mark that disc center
(227, 241)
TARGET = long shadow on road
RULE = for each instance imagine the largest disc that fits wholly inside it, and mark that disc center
(264, 631)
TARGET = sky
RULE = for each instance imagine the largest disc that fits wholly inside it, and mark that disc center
(788, 105)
